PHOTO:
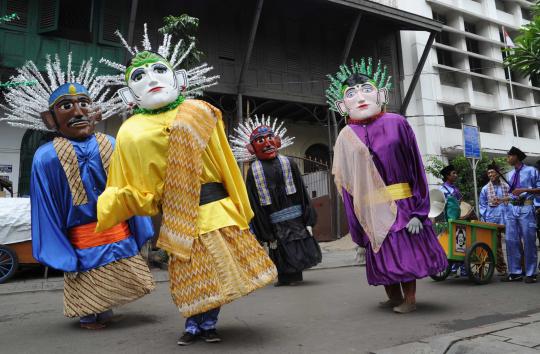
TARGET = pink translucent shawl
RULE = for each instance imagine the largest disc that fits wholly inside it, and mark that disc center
(354, 170)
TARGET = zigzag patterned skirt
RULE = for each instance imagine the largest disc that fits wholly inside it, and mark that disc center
(103, 288)
(225, 264)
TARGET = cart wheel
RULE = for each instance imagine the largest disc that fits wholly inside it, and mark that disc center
(442, 275)
(480, 263)
(8, 263)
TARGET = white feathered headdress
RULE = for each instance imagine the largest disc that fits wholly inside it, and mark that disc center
(24, 102)
(240, 140)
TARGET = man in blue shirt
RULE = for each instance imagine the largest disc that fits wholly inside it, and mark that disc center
(493, 209)
(521, 220)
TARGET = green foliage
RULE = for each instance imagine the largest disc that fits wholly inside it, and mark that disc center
(525, 57)
(9, 18)
(463, 168)
(184, 27)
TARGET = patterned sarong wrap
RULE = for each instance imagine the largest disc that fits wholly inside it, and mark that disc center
(226, 264)
(260, 180)
(68, 159)
(103, 288)
(189, 136)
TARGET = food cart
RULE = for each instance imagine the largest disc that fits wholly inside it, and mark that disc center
(472, 243)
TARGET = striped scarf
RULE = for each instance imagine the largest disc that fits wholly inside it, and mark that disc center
(492, 194)
(70, 164)
(260, 179)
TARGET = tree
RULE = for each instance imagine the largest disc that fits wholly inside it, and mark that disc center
(463, 168)
(184, 27)
(525, 56)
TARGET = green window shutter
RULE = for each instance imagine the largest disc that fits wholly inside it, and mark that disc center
(113, 17)
(20, 7)
(48, 11)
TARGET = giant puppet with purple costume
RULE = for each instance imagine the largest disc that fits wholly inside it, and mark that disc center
(379, 172)
(102, 270)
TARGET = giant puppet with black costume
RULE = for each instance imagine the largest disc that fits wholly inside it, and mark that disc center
(172, 156)
(379, 172)
(102, 269)
(284, 215)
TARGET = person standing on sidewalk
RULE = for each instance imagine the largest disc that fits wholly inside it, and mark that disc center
(379, 172)
(521, 219)
(493, 208)
(284, 216)
(102, 270)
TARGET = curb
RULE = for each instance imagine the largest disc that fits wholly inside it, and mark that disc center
(331, 260)
(465, 341)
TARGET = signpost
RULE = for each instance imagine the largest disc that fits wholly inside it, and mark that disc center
(471, 150)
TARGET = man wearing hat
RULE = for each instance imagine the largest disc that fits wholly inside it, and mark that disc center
(521, 221)
(493, 208)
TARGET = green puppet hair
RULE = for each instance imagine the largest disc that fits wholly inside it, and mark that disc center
(379, 79)
(144, 58)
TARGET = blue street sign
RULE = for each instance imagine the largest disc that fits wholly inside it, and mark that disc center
(471, 141)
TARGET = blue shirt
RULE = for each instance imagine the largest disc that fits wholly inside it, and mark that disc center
(528, 178)
(53, 212)
(496, 214)
(449, 189)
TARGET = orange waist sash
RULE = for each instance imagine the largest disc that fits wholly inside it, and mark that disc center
(84, 236)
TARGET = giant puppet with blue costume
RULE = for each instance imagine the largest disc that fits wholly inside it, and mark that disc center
(379, 172)
(102, 269)
(173, 157)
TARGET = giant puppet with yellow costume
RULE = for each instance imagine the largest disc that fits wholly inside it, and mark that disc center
(102, 270)
(173, 157)
(379, 172)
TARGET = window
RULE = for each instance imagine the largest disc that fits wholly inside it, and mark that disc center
(444, 57)
(75, 19)
(475, 65)
(440, 18)
(66, 18)
(443, 38)
(503, 6)
(480, 85)
(470, 27)
(484, 122)
(472, 45)
(19, 7)
(451, 120)
(526, 14)
(526, 127)
(535, 80)
(536, 95)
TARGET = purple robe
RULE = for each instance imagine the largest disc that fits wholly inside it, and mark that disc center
(402, 257)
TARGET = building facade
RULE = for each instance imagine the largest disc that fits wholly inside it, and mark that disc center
(465, 65)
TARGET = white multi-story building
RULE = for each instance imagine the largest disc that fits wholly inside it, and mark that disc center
(465, 65)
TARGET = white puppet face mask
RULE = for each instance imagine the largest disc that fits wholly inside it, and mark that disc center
(362, 101)
(153, 85)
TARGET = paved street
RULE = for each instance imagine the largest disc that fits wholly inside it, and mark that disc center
(333, 312)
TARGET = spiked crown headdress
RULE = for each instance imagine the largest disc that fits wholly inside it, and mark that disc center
(24, 103)
(194, 79)
(241, 139)
(379, 78)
